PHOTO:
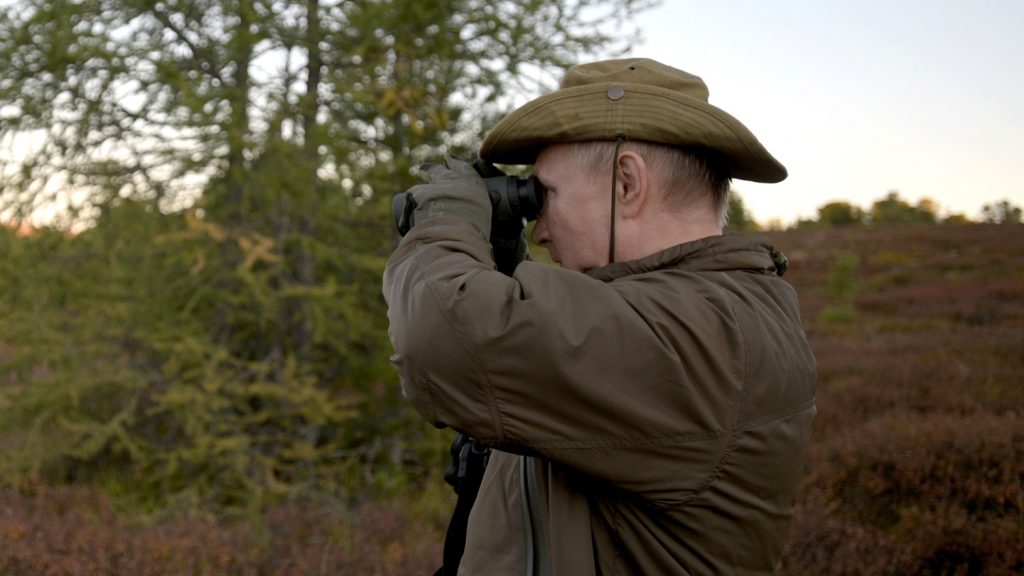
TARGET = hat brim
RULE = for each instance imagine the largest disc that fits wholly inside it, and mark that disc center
(637, 112)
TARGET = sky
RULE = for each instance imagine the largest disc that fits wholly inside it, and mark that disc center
(860, 98)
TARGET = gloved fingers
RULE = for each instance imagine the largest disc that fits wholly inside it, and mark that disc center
(452, 170)
(429, 171)
(419, 191)
(459, 166)
(452, 189)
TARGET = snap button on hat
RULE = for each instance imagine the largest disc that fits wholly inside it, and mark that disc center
(616, 92)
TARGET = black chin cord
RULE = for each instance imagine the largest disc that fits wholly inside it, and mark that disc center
(615, 173)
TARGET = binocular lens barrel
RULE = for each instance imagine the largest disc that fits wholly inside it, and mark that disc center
(515, 198)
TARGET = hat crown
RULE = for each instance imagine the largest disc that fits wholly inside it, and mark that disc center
(636, 71)
(637, 99)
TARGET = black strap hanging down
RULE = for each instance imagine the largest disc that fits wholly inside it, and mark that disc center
(464, 473)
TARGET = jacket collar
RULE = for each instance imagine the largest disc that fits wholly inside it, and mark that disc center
(751, 252)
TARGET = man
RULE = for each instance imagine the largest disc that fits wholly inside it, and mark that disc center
(648, 402)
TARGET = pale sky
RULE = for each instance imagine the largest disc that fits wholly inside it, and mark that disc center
(861, 97)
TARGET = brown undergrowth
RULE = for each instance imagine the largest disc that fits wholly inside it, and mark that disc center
(73, 531)
(915, 467)
(917, 459)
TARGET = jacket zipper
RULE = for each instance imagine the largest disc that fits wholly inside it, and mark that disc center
(536, 540)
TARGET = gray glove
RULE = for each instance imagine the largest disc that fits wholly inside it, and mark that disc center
(454, 189)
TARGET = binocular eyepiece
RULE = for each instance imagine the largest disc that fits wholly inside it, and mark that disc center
(512, 199)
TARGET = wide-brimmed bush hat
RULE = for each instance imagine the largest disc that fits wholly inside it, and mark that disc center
(634, 99)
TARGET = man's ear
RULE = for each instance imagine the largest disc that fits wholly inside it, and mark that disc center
(632, 188)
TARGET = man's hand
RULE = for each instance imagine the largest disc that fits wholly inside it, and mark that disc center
(454, 189)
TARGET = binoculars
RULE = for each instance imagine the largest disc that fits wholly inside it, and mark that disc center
(513, 199)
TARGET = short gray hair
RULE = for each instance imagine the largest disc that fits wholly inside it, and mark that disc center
(691, 177)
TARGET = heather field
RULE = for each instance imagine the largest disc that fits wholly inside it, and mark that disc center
(917, 461)
(916, 465)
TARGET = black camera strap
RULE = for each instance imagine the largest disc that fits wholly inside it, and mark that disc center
(615, 174)
(464, 474)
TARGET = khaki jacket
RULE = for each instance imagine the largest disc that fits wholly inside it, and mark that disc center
(649, 417)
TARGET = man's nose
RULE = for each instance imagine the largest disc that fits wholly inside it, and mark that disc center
(540, 230)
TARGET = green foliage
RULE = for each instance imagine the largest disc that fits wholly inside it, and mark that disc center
(841, 287)
(956, 219)
(1001, 212)
(888, 210)
(213, 332)
(157, 99)
(894, 210)
(739, 218)
(114, 376)
(805, 224)
(840, 214)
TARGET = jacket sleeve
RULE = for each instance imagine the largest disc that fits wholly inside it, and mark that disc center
(554, 362)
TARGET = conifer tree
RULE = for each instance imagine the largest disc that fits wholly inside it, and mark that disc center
(235, 160)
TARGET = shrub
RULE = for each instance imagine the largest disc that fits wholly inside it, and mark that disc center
(841, 289)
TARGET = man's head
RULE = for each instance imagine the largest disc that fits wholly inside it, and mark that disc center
(663, 196)
(690, 182)
(677, 150)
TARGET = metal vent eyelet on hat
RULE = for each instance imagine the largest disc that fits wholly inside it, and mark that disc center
(616, 92)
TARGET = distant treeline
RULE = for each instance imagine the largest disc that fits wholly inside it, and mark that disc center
(892, 209)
